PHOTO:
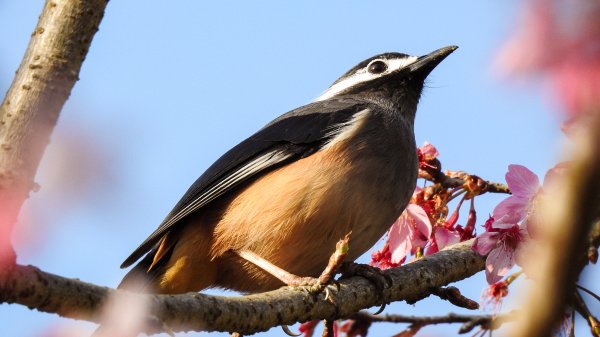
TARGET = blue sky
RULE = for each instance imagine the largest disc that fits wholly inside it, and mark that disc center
(168, 87)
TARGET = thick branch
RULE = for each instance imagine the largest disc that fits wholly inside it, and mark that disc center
(34, 288)
(40, 88)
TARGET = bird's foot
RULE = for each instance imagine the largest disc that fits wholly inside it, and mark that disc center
(380, 279)
(373, 274)
(314, 286)
(326, 279)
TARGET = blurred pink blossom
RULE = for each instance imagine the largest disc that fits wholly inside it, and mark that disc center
(526, 50)
(561, 41)
(7, 254)
(65, 330)
(124, 314)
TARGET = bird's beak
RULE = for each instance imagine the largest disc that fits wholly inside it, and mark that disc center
(426, 63)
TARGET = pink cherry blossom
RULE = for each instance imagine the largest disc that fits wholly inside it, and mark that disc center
(427, 155)
(442, 238)
(410, 231)
(429, 151)
(501, 247)
(445, 237)
(507, 228)
(307, 329)
(383, 258)
(468, 232)
(493, 295)
(524, 185)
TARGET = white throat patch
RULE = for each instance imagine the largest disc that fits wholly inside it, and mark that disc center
(362, 75)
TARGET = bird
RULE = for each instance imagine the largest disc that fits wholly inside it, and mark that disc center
(280, 200)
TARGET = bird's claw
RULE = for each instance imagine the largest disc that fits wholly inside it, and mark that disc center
(289, 332)
(313, 286)
(380, 310)
(380, 279)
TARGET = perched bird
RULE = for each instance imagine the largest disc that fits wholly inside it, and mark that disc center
(280, 200)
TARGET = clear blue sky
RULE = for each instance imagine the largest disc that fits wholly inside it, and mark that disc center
(169, 86)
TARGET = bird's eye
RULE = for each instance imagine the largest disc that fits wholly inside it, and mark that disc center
(377, 67)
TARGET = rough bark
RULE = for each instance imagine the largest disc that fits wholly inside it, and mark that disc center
(34, 288)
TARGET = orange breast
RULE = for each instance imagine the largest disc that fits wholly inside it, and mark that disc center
(293, 216)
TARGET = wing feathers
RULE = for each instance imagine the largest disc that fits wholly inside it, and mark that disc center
(289, 137)
(244, 172)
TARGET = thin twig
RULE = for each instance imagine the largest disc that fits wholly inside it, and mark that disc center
(453, 179)
(585, 312)
(487, 322)
(591, 293)
(335, 260)
(453, 295)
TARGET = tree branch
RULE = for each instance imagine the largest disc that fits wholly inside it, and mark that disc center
(46, 292)
(38, 92)
(488, 322)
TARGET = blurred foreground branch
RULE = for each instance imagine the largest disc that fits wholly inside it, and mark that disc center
(568, 215)
(36, 96)
(46, 292)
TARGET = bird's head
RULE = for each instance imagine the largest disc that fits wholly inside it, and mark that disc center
(394, 77)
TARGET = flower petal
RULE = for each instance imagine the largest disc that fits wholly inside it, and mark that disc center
(432, 248)
(510, 211)
(485, 242)
(444, 237)
(421, 220)
(400, 238)
(429, 151)
(521, 181)
(498, 263)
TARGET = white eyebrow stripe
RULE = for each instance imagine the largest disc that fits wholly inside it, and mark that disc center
(364, 76)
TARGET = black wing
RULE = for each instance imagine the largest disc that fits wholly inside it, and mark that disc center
(289, 137)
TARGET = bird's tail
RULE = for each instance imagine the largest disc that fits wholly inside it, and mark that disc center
(142, 278)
